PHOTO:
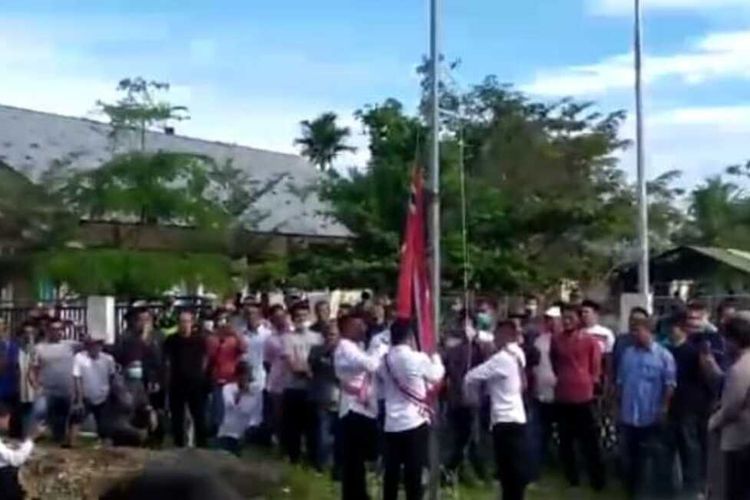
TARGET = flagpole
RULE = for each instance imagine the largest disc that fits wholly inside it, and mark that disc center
(643, 243)
(434, 230)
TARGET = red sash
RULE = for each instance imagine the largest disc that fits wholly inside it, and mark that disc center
(361, 392)
(425, 408)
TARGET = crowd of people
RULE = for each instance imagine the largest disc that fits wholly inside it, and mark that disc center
(340, 393)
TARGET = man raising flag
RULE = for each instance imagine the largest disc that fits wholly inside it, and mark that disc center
(409, 377)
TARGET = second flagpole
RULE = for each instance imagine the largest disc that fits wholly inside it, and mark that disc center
(434, 227)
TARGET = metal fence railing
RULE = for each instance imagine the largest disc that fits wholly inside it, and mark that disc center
(73, 316)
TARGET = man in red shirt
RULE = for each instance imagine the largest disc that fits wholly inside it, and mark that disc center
(225, 348)
(576, 360)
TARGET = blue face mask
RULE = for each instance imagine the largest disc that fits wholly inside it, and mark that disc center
(484, 321)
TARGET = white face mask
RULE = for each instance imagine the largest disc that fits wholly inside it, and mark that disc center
(135, 372)
(452, 342)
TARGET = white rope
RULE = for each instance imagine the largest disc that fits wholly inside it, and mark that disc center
(464, 224)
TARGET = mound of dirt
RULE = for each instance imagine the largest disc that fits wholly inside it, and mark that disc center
(86, 474)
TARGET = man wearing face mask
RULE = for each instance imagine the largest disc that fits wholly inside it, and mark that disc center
(463, 416)
(299, 412)
(485, 321)
(139, 353)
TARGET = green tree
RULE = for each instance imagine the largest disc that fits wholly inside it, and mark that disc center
(322, 140)
(371, 203)
(140, 110)
(718, 214)
(29, 216)
(546, 198)
(199, 207)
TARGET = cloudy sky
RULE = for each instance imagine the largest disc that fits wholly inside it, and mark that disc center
(250, 70)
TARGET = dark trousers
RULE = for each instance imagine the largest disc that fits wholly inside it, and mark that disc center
(58, 417)
(686, 435)
(737, 485)
(230, 444)
(194, 397)
(464, 425)
(13, 403)
(10, 487)
(647, 468)
(511, 456)
(329, 446)
(539, 428)
(578, 427)
(357, 439)
(299, 416)
(405, 452)
(262, 435)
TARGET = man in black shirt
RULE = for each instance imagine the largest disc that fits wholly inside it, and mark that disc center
(690, 406)
(186, 359)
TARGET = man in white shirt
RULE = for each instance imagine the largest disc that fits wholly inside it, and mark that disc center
(240, 403)
(504, 379)
(590, 319)
(92, 375)
(11, 459)
(256, 334)
(358, 408)
(408, 376)
(589, 313)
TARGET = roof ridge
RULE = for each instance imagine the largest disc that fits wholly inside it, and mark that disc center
(152, 132)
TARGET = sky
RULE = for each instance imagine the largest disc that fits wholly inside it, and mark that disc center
(251, 70)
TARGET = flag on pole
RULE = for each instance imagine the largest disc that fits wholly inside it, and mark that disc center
(414, 299)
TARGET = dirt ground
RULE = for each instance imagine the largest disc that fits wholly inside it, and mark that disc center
(87, 473)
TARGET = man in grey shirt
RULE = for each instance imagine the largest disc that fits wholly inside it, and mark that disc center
(52, 378)
(299, 414)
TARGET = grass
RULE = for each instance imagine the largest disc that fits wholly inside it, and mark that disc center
(304, 484)
(301, 483)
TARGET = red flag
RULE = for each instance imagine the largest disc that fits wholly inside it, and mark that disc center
(414, 298)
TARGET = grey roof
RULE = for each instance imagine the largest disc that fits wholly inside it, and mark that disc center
(30, 141)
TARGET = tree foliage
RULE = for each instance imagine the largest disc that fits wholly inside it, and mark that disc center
(719, 211)
(213, 201)
(546, 196)
(140, 109)
(322, 140)
(132, 273)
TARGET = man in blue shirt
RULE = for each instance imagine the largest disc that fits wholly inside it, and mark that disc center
(646, 379)
(9, 378)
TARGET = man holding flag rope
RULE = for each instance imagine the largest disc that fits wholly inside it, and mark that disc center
(410, 378)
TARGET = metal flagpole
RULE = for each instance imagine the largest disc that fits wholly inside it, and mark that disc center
(643, 244)
(434, 122)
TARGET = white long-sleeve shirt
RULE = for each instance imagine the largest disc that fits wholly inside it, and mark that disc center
(256, 351)
(10, 457)
(239, 415)
(356, 370)
(406, 375)
(503, 378)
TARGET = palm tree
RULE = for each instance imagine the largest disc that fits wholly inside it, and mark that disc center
(322, 140)
(715, 209)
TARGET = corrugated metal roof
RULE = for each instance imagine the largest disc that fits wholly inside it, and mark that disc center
(738, 259)
(31, 141)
